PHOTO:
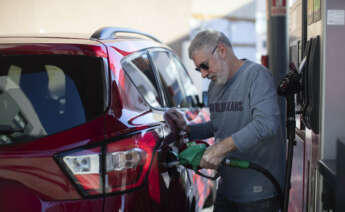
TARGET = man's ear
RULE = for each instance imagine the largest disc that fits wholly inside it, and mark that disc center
(222, 50)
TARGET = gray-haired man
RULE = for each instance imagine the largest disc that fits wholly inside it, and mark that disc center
(245, 121)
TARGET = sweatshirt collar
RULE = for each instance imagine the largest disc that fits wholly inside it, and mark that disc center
(238, 72)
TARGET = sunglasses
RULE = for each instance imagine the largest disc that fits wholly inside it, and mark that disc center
(204, 65)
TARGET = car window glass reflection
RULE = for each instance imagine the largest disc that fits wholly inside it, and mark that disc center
(140, 71)
(187, 83)
(168, 73)
(42, 98)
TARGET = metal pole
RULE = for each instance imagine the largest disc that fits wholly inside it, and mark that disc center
(277, 44)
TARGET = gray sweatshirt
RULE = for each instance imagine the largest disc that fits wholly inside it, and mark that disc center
(246, 108)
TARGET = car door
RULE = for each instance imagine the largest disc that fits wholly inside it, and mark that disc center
(179, 92)
(173, 180)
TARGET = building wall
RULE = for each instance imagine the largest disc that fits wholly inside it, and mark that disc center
(167, 20)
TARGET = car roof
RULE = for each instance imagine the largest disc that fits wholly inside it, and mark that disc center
(48, 35)
(132, 41)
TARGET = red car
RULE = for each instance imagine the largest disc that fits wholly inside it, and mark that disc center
(82, 127)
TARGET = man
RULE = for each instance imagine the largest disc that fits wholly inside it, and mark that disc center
(245, 121)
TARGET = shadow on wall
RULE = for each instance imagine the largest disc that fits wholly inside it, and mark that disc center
(176, 45)
(234, 28)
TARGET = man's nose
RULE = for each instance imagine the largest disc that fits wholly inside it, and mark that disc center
(203, 73)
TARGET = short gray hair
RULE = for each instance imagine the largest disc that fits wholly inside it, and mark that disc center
(207, 39)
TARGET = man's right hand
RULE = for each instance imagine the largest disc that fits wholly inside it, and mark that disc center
(175, 121)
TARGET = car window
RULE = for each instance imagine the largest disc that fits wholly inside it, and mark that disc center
(44, 94)
(131, 99)
(169, 71)
(187, 83)
(139, 69)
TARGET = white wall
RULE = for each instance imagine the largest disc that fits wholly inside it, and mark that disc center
(168, 19)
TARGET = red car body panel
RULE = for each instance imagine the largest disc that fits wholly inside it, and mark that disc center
(17, 197)
(36, 46)
(33, 165)
(30, 175)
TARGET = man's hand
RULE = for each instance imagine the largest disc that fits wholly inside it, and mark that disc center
(215, 154)
(175, 121)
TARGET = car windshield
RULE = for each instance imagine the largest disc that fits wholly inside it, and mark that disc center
(44, 94)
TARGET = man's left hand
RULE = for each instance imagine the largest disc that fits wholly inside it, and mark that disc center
(212, 157)
(215, 154)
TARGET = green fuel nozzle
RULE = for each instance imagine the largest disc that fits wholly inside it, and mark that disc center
(192, 155)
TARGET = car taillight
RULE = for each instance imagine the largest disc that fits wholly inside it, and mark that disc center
(84, 168)
(114, 166)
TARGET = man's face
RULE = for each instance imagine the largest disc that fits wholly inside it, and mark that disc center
(210, 65)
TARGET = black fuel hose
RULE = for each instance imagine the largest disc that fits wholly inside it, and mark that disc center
(243, 164)
(271, 178)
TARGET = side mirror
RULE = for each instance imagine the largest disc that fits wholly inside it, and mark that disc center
(198, 103)
(205, 98)
(192, 102)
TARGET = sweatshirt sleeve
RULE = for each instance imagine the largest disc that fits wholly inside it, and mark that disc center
(264, 111)
(200, 131)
